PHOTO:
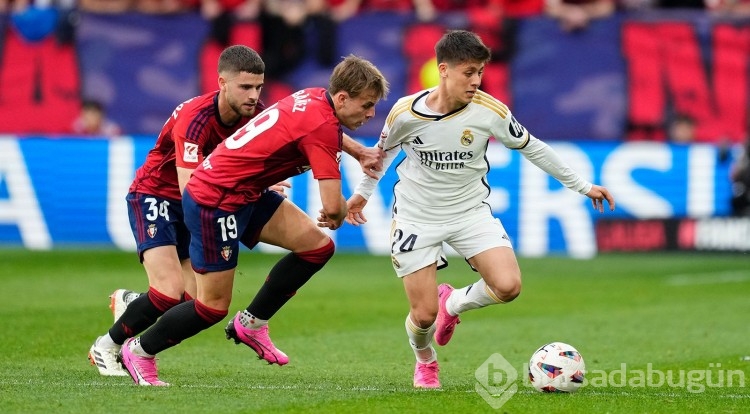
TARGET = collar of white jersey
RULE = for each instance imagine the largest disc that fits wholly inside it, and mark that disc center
(420, 109)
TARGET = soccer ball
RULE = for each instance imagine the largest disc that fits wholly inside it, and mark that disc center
(556, 367)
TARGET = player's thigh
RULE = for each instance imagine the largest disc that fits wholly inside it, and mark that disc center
(164, 270)
(483, 241)
(188, 278)
(421, 290)
(499, 269)
(415, 246)
(290, 228)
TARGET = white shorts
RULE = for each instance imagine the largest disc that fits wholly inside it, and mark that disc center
(414, 246)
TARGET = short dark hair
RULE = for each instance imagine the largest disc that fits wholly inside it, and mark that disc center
(240, 58)
(355, 75)
(458, 46)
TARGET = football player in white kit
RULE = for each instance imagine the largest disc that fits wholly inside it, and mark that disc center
(441, 191)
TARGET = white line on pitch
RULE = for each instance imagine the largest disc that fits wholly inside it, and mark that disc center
(737, 276)
(525, 391)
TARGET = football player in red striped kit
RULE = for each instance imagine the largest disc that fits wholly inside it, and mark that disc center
(226, 202)
(193, 130)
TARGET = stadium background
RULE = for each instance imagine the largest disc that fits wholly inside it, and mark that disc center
(602, 97)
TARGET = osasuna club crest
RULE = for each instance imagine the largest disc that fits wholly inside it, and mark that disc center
(151, 230)
(467, 138)
(226, 252)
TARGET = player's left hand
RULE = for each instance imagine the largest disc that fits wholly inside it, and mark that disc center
(279, 187)
(371, 160)
(598, 194)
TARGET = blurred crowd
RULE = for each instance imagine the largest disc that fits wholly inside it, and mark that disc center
(283, 21)
(291, 14)
(284, 24)
(572, 14)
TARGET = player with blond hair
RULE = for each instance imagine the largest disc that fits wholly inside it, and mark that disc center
(227, 203)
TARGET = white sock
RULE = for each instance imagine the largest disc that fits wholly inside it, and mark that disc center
(249, 321)
(105, 341)
(136, 348)
(420, 340)
(474, 296)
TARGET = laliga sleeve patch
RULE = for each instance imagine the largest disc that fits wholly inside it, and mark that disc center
(191, 153)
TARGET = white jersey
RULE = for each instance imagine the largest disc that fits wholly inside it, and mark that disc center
(443, 176)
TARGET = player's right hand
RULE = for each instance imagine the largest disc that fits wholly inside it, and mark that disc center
(371, 161)
(327, 222)
(355, 204)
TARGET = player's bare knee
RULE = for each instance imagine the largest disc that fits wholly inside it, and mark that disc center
(210, 314)
(507, 291)
(320, 255)
(509, 296)
(171, 288)
(424, 318)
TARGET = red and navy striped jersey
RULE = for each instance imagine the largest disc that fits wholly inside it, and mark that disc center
(298, 133)
(192, 131)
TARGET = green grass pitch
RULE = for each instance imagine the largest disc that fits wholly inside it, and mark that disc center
(632, 317)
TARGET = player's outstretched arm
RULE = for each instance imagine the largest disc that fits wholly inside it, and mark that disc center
(355, 205)
(598, 194)
(333, 213)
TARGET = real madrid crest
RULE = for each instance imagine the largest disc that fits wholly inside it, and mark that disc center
(467, 138)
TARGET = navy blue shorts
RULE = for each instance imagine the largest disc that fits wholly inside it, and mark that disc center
(157, 221)
(217, 234)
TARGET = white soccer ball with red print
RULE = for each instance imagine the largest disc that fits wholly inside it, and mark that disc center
(557, 367)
